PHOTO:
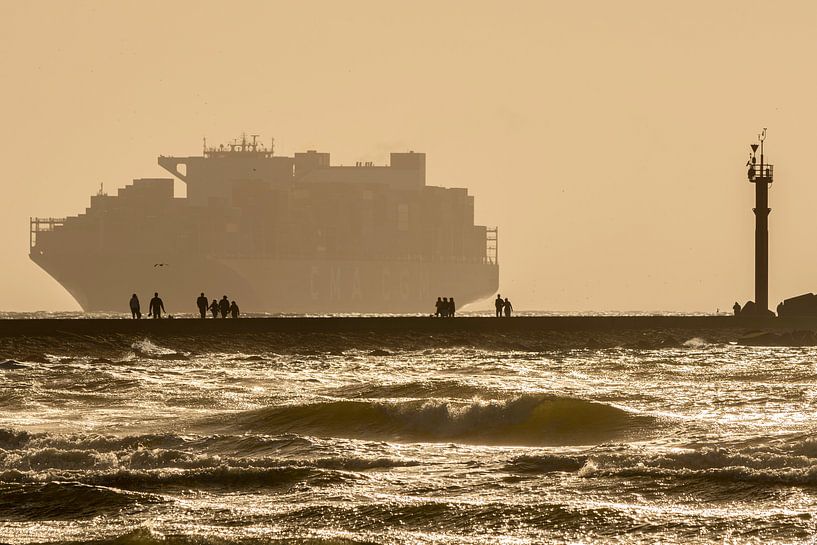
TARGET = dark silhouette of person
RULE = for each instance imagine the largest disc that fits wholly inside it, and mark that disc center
(508, 308)
(444, 308)
(201, 302)
(439, 306)
(736, 308)
(135, 309)
(214, 308)
(157, 307)
(233, 310)
(452, 308)
(499, 304)
(224, 306)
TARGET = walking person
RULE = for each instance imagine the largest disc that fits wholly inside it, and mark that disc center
(452, 307)
(508, 308)
(135, 310)
(499, 304)
(201, 302)
(224, 306)
(214, 308)
(233, 310)
(439, 307)
(157, 307)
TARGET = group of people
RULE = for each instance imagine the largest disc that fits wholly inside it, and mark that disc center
(157, 307)
(445, 307)
(224, 307)
(503, 306)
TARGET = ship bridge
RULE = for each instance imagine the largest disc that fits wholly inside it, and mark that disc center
(210, 175)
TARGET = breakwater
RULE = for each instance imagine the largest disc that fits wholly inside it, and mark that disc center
(391, 325)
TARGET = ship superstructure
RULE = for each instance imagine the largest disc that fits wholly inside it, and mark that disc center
(276, 233)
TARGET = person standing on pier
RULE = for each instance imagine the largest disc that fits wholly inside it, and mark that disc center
(135, 309)
(201, 302)
(508, 308)
(157, 307)
(233, 310)
(224, 306)
(214, 308)
(499, 304)
(452, 308)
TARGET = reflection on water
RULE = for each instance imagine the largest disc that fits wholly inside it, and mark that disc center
(256, 439)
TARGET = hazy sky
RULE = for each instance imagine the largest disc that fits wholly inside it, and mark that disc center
(607, 140)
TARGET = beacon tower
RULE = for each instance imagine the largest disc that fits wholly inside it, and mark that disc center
(761, 174)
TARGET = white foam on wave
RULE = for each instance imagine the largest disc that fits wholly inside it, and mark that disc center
(146, 346)
(752, 464)
(696, 342)
(148, 349)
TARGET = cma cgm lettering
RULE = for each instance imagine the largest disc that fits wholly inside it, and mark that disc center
(337, 283)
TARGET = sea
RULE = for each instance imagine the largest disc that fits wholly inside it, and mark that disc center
(622, 437)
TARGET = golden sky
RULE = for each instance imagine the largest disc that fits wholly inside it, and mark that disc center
(607, 140)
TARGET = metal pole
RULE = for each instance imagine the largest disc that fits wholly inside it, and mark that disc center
(762, 236)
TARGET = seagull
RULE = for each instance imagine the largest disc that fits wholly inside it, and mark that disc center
(159, 264)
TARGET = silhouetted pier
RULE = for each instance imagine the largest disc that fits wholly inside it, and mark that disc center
(390, 325)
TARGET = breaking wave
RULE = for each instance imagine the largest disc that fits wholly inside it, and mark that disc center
(418, 389)
(524, 420)
(146, 348)
(66, 501)
(761, 465)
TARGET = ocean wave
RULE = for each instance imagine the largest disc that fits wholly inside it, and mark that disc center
(11, 439)
(223, 477)
(753, 464)
(696, 342)
(229, 444)
(9, 365)
(547, 463)
(145, 536)
(145, 348)
(418, 389)
(66, 501)
(806, 476)
(523, 420)
(219, 477)
(50, 459)
(38, 458)
(485, 518)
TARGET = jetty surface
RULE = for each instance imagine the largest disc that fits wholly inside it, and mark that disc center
(392, 324)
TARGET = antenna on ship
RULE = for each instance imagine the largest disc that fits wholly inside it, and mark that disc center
(271, 146)
(204, 146)
(254, 143)
(762, 175)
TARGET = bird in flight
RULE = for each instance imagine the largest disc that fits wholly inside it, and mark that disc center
(159, 264)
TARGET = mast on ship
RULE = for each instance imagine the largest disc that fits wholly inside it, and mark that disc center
(762, 175)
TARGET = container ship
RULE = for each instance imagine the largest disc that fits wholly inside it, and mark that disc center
(277, 234)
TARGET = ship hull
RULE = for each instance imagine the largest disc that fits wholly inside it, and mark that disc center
(105, 283)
